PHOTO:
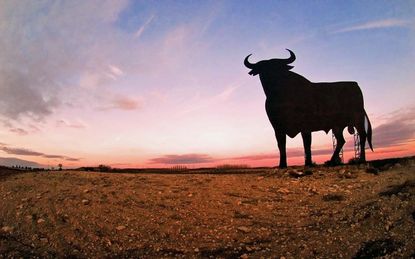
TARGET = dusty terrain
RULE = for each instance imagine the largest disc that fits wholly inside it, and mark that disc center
(338, 212)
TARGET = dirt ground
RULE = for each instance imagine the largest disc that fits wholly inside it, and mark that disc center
(337, 212)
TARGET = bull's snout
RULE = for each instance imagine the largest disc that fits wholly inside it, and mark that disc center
(253, 72)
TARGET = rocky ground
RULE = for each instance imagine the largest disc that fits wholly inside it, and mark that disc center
(338, 212)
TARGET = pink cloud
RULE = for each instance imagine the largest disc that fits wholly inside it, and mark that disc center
(19, 131)
(120, 102)
(126, 103)
(28, 152)
(75, 125)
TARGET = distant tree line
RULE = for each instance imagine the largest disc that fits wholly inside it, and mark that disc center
(100, 168)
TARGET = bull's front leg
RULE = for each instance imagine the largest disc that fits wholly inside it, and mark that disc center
(281, 141)
(307, 147)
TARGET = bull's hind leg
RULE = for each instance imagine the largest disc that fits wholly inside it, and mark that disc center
(362, 136)
(338, 133)
(307, 147)
(281, 141)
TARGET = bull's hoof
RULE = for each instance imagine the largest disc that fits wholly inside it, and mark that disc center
(310, 164)
(282, 166)
(333, 162)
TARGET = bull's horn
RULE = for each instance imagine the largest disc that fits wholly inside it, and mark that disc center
(247, 64)
(291, 58)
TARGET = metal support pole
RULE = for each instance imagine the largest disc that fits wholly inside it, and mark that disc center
(356, 145)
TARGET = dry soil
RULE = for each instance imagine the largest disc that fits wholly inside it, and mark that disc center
(320, 212)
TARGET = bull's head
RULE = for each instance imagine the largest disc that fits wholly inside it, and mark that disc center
(271, 65)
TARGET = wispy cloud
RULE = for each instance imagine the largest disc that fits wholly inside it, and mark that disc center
(72, 159)
(397, 130)
(379, 24)
(223, 96)
(122, 102)
(116, 70)
(126, 103)
(42, 52)
(21, 129)
(20, 151)
(67, 124)
(143, 27)
(227, 92)
(27, 152)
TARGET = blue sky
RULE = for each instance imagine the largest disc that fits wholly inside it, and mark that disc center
(126, 82)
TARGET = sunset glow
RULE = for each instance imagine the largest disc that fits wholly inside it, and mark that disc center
(158, 84)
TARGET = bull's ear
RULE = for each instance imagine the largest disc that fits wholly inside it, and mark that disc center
(289, 67)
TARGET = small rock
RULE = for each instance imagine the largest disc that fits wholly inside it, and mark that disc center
(244, 229)
(388, 226)
(372, 170)
(44, 240)
(349, 175)
(283, 191)
(120, 228)
(190, 195)
(85, 202)
(386, 167)
(196, 250)
(308, 172)
(7, 229)
(244, 256)
(295, 173)
(86, 191)
(313, 190)
(40, 221)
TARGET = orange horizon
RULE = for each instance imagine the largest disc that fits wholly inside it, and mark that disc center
(272, 161)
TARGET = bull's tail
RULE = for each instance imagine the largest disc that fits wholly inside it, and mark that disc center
(369, 132)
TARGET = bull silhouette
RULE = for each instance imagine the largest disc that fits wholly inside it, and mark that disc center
(296, 105)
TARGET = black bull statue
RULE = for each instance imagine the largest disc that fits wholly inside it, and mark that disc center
(296, 105)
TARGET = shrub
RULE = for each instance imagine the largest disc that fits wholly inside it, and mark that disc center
(178, 168)
(104, 168)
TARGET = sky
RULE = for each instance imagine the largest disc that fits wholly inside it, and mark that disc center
(162, 83)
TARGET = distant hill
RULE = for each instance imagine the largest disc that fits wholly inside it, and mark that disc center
(11, 161)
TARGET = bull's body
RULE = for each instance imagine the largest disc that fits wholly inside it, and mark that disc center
(313, 106)
(296, 105)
